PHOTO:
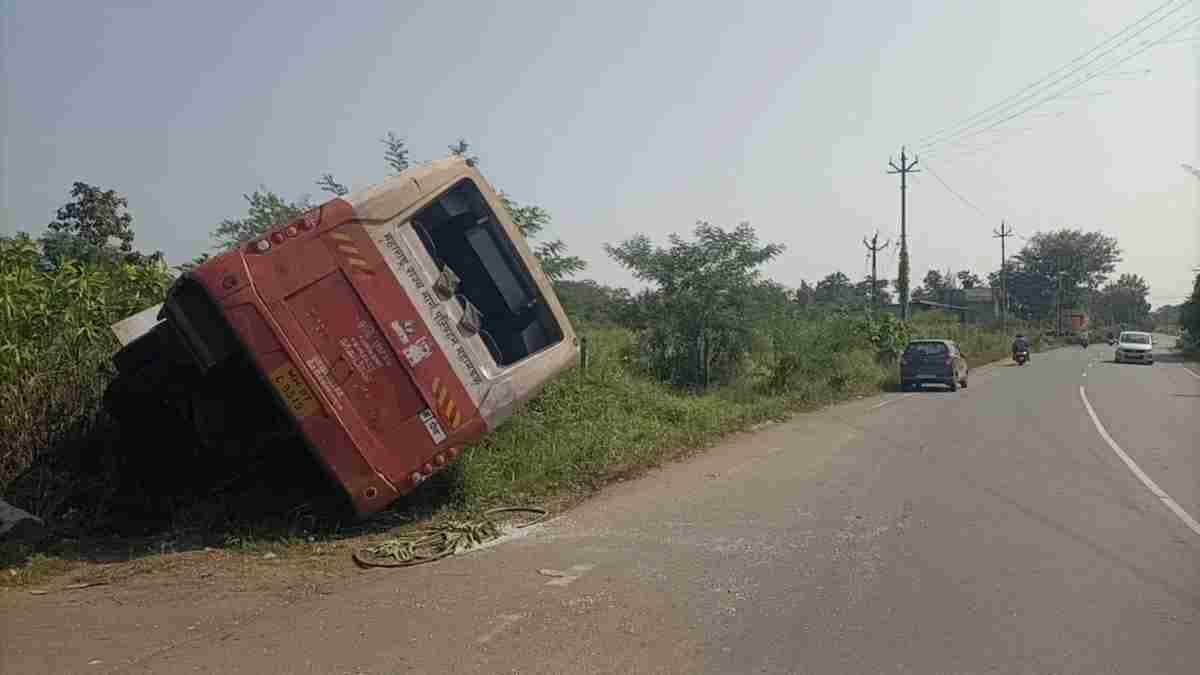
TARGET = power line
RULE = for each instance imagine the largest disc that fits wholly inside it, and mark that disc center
(952, 191)
(974, 129)
(1052, 97)
(1009, 99)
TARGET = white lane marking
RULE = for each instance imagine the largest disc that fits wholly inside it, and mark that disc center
(506, 620)
(566, 578)
(890, 400)
(1137, 471)
(1191, 372)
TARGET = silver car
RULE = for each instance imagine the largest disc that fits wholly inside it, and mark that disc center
(1134, 347)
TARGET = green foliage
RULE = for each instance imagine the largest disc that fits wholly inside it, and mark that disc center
(839, 351)
(980, 344)
(327, 184)
(947, 288)
(395, 153)
(880, 297)
(1125, 302)
(588, 302)
(463, 149)
(95, 226)
(1066, 264)
(836, 290)
(55, 343)
(531, 220)
(95, 217)
(698, 332)
(1189, 317)
(902, 278)
(266, 210)
(592, 425)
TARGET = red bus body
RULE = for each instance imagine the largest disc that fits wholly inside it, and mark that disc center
(387, 364)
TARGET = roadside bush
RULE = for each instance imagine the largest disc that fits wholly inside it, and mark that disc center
(699, 328)
(846, 352)
(55, 345)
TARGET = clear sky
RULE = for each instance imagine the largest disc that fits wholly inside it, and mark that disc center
(620, 117)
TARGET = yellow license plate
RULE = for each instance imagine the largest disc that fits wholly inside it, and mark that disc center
(295, 392)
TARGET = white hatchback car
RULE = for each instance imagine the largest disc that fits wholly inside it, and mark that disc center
(1134, 347)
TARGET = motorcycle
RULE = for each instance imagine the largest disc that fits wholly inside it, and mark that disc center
(1021, 357)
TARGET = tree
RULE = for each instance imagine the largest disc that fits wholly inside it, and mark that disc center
(1064, 265)
(805, 295)
(462, 149)
(1125, 302)
(864, 294)
(1166, 317)
(702, 292)
(968, 279)
(95, 226)
(933, 287)
(1189, 317)
(395, 153)
(531, 221)
(589, 302)
(836, 290)
(328, 184)
(266, 210)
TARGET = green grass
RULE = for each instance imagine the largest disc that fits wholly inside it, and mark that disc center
(587, 428)
(590, 424)
(980, 344)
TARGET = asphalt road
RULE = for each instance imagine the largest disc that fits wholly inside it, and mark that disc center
(990, 530)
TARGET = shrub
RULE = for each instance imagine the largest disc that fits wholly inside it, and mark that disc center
(55, 344)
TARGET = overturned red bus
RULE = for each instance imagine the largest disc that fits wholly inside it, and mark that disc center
(388, 328)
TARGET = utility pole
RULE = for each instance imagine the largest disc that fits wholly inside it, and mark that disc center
(1058, 275)
(1003, 233)
(874, 247)
(904, 168)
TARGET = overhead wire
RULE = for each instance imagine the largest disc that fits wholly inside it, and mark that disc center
(952, 191)
(1052, 97)
(991, 122)
(1060, 94)
(971, 119)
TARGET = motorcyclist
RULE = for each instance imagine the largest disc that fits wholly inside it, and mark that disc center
(1020, 345)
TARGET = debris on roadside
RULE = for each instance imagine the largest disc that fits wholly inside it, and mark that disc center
(19, 525)
(443, 540)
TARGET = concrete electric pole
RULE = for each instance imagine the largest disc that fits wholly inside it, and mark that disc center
(874, 247)
(1003, 233)
(904, 168)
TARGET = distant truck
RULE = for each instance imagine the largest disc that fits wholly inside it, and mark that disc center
(386, 328)
(1077, 321)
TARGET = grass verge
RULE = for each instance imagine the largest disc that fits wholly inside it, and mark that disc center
(586, 429)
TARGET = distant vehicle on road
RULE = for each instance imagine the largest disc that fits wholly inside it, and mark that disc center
(933, 362)
(1134, 347)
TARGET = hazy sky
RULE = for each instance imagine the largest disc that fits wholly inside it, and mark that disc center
(620, 118)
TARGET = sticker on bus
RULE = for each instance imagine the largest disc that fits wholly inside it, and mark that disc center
(432, 426)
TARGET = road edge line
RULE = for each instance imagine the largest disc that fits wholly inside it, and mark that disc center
(1137, 470)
